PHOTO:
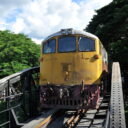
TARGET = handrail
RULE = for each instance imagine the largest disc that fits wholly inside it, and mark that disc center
(14, 78)
(8, 94)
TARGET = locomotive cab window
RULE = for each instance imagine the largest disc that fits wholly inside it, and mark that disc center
(49, 46)
(67, 44)
(86, 44)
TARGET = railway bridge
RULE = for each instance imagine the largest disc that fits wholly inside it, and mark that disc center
(20, 107)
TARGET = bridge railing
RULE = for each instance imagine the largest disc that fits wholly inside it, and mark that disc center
(19, 97)
(116, 116)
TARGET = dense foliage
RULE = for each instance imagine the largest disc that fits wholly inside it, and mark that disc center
(111, 26)
(17, 52)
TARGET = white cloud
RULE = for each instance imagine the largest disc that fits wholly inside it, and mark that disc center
(38, 41)
(2, 25)
(6, 6)
(19, 25)
(40, 18)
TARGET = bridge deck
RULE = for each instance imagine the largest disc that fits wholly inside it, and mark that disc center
(26, 100)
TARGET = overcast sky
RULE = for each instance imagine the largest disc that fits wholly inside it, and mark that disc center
(39, 18)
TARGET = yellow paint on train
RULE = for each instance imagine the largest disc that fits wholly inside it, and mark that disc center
(71, 68)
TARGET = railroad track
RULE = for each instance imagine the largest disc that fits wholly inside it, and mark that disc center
(90, 118)
(80, 118)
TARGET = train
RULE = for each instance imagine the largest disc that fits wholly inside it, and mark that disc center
(73, 70)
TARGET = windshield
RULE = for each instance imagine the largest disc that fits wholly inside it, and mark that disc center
(49, 46)
(67, 44)
(86, 44)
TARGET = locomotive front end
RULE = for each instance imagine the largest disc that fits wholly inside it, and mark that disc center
(70, 70)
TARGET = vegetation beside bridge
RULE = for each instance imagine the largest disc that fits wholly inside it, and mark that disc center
(110, 24)
(17, 52)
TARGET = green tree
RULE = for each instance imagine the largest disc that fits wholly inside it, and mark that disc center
(17, 52)
(111, 26)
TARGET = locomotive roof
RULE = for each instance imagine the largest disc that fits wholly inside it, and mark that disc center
(71, 31)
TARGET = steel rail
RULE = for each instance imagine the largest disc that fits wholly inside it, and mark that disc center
(48, 119)
(74, 118)
(80, 114)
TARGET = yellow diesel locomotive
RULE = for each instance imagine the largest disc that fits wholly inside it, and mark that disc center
(72, 66)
